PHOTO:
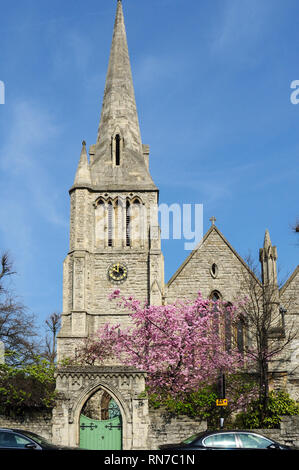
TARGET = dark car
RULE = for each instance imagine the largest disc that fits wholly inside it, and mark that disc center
(12, 439)
(226, 440)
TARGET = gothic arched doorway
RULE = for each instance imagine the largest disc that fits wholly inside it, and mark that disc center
(100, 423)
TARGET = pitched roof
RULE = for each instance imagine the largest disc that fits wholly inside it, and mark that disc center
(198, 247)
(291, 278)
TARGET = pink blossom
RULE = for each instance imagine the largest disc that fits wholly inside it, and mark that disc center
(179, 345)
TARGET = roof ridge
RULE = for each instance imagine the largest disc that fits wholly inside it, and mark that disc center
(205, 237)
(289, 280)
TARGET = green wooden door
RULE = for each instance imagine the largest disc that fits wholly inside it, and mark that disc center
(100, 435)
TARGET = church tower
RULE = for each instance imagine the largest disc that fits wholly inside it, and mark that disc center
(114, 232)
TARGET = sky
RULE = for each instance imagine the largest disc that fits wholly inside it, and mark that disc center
(213, 90)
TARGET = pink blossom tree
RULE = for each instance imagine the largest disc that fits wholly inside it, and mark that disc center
(180, 345)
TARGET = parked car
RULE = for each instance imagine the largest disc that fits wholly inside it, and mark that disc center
(11, 439)
(226, 440)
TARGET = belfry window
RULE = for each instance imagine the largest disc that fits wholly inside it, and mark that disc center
(128, 224)
(110, 224)
(117, 150)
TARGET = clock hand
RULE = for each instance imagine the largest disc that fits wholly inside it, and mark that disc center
(116, 268)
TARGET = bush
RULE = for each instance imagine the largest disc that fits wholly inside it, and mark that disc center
(26, 387)
(201, 404)
(279, 404)
(198, 404)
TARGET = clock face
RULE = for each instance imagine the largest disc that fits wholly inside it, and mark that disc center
(117, 272)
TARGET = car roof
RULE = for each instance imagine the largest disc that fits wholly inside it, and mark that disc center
(209, 432)
(15, 430)
(217, 431)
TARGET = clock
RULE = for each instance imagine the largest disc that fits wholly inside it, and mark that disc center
(117, 272)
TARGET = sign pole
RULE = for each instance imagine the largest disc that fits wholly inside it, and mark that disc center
(222, 395)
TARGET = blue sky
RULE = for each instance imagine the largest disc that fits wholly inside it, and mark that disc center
(212, 82)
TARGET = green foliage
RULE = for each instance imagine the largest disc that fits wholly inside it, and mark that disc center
(279, 404)
(27, 387)
(198, 404)
(201, 404)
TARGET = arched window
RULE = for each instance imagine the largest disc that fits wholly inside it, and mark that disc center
(128, 224)
(135, 221)
(117, 150)
(117, 144)
(110, 224)
(100, 222)
(228, 327)
(240, 335)
(118, 223)
(215, 295)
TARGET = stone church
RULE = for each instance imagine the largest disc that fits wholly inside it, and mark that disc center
(115, 243)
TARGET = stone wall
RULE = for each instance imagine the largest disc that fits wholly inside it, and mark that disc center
(163, 428)
(37, 422)
(290, 356)
(167, 429)
(287, 434)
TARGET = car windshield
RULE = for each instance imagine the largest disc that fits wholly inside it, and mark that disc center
(39, 439)
(192, 438)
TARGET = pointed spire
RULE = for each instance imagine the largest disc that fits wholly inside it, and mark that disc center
(82, 177)
(268, 258)
(119, 105)
(119, 120)
(267, 240)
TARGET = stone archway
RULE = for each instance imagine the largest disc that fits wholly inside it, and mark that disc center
(101, 422)
(75, 385)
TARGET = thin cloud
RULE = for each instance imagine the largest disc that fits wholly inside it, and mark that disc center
(240, 29)
(24, 177)
(152, 69)
(71, 51)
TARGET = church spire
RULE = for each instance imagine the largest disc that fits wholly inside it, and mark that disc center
(82, 177)
(119, 105)
(119, 154)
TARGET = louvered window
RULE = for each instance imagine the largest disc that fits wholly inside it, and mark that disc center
(110, 224)
(128, 224)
